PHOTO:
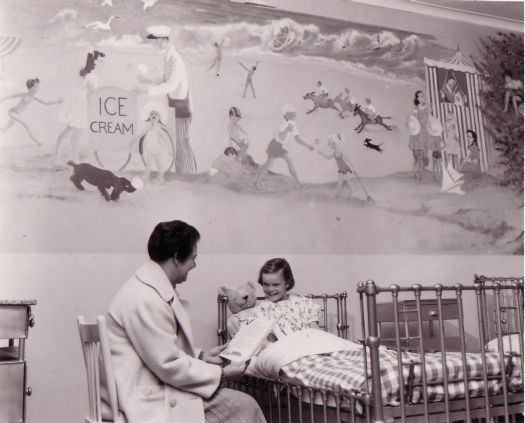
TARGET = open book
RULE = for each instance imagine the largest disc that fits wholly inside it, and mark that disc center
(248, 339)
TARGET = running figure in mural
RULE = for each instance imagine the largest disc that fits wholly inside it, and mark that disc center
(218, 57)
(249, 78)
(26, 99)
(514, 93)
(75, 113)
(473, 149)
(174, 84)
(344, 170)
(287, 131)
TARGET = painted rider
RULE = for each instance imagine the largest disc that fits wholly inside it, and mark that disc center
(346, 97)
(321, 93)
(370, 110)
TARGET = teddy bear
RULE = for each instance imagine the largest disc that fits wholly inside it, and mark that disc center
(241, 301)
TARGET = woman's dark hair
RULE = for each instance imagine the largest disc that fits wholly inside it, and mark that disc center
(90, 62)
(275, 265)
(172, 238)
(230, 150)
(416, 101)
(474, 136)
(234, 111)
(507, 72)
(31, 82)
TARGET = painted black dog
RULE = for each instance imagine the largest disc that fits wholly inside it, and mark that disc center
(102, 179)
(368, 144)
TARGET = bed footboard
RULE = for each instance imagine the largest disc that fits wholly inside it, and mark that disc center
(482, 369)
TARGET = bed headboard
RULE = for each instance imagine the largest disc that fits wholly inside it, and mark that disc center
(332, 305)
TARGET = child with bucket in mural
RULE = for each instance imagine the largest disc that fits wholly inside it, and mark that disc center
(154, 147)
(275, 150)
(26, 99)
(344, 170)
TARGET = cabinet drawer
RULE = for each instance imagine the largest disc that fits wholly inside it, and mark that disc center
(14, 321)
(12, 392)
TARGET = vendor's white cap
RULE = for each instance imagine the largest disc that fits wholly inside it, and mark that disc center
(151, 106)
(158, 31)
(288, 108)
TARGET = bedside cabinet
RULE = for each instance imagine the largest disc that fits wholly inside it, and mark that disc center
(15, 320)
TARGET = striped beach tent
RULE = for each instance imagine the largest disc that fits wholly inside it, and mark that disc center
(8, 44)
(453, 87)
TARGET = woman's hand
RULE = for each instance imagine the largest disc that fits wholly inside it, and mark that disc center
(212, 355)
(234, 370)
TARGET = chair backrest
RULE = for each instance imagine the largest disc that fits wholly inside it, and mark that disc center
(97, 356)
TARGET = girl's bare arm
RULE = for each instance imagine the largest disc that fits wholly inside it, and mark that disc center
(47, 103)
(13, 96)
(303, 143)
(324, 154)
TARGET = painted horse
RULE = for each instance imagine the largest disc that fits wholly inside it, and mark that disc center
(365, 119)
(346, 105)
(328, 103)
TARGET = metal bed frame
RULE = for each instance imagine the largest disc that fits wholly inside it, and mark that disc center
(506, 294)
(498, 300)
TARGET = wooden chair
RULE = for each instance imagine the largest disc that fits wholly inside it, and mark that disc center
(97, 356)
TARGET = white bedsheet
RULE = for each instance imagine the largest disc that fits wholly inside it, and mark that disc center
(293, 347)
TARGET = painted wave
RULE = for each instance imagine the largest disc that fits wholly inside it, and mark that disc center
(395, 53)
(392, 52)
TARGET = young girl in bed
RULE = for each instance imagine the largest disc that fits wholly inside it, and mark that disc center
(296, 312)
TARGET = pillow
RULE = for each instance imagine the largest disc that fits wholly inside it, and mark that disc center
(511, 343)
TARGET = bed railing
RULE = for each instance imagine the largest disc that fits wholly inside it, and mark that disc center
(340, 300)
(501, 296)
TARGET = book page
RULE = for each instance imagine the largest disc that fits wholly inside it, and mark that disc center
(248, 339)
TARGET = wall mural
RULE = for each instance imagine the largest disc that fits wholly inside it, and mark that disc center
(268, 130)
